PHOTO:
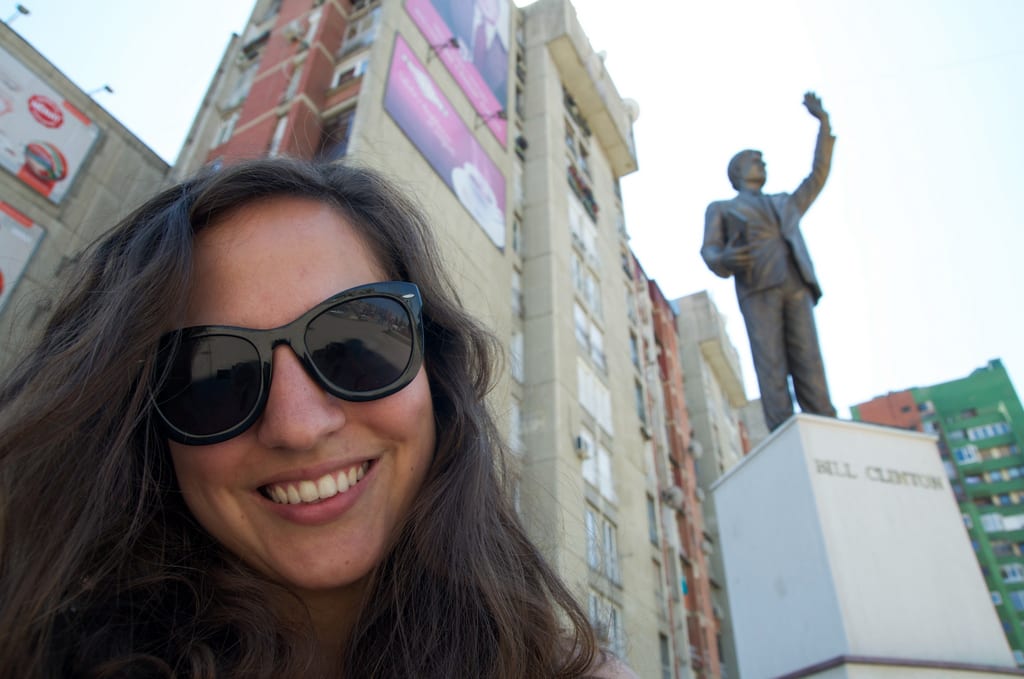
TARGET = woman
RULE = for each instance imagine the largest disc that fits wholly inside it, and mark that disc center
(171, 506)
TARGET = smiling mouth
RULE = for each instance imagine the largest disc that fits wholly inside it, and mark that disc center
(315, 490)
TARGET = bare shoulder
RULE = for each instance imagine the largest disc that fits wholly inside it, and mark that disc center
(610, 667)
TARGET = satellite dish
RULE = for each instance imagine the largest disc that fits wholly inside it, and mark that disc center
(632, 109)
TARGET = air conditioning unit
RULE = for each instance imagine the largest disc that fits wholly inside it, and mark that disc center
(293, 30)
(674, 497)
(583, 447)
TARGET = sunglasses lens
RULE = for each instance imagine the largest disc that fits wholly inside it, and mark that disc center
(363, 345)
(213, 385)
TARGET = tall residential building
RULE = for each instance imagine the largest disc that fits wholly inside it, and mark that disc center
(684, 551)
(505, 125)
(69, 172)
(715, 398)
(979, 423)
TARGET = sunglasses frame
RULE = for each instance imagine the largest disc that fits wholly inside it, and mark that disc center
(293, 335)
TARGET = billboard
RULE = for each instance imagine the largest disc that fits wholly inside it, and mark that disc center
(425, 115)
(478, 57)
(44, 139)
(19, 238)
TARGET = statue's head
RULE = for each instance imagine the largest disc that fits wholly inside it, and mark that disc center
(746, 167)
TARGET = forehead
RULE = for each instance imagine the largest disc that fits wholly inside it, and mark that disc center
(265, 263)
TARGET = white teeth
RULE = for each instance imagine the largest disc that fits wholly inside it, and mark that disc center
(308, 492)
(325, 487)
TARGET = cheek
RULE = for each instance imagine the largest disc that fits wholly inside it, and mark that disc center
(202, 473)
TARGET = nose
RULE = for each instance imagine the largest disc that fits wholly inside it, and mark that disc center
(299, 413)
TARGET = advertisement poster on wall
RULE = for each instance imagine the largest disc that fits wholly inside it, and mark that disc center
(416, 104)
(19, 238)
(478, 56)
(43, 139)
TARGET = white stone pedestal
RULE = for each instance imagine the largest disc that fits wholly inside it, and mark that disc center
(846, 556)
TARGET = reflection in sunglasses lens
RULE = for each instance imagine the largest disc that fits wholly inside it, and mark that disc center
(362, 345)
(213, 385)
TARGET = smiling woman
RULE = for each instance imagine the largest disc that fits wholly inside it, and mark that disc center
(253, 442)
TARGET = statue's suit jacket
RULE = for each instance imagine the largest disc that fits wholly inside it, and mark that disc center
(757, 220)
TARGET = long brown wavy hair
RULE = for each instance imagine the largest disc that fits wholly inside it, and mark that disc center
(104, 572)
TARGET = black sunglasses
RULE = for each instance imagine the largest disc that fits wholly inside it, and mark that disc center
(362, 344)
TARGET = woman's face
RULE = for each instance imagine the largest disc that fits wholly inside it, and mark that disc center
(261, 267)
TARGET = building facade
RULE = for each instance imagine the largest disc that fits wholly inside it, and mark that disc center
(69, 172)
(979, 423)
(505, 125)
(717, 402)
(685, 551)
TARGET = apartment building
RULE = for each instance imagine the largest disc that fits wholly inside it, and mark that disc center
(70, 171)
(717, 404)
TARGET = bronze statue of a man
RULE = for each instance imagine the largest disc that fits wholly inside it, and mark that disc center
(756, 239)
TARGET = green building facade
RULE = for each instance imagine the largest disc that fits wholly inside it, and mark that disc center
(980, 423)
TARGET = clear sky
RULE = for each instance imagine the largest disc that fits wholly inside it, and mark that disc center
(916, 236)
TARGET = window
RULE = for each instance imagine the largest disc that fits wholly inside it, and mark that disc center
(278, 138)
(590, 472)
(594, 396)
(597, 348)
(1012, 572)
(293, 82)
(244, 84)
(992, 522)
(517, 236)
(967, 520)
(593, 549)
(616, 637)
(611, 551)
(641, 405)
(988, 431)
(360, 32)
(227, 128)
(1017, 599)
(967, 454)
(1018, 656)
(666, 657)
(652, 521)
(517, 293)
(997, 598)
(605, 477)
(515, 427)
(582, 326)
(348, 72)
(634, 350)
(516, 356)
(335, 136)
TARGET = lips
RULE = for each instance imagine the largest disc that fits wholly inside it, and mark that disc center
(309, 491)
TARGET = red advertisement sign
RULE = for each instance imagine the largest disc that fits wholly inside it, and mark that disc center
(19, 238)
(44, 139)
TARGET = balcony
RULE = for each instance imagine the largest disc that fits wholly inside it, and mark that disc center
(582, 190)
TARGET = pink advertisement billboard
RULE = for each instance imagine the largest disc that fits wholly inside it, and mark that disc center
(471, 38)
(416, 104)
(43, 138)
(19, 238)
